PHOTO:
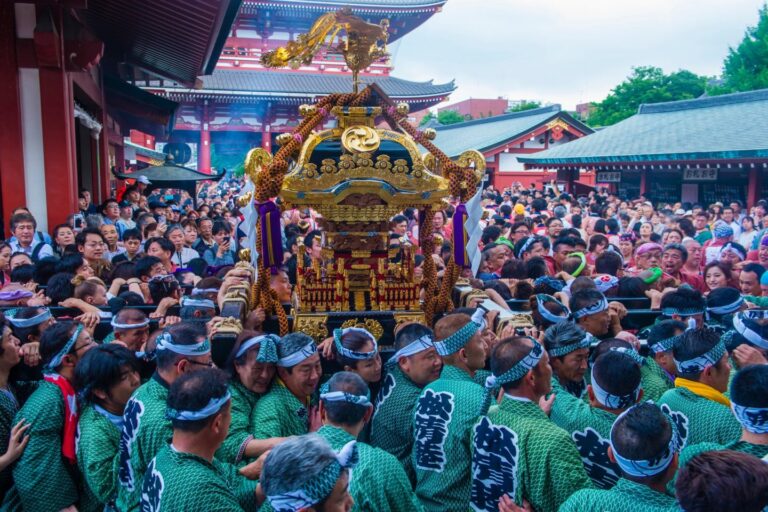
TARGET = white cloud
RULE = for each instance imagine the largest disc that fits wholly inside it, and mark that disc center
(567, 51)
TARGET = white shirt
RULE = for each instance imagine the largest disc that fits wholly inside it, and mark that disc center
(45, 251)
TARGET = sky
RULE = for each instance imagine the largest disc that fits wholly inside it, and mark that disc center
(567, 51)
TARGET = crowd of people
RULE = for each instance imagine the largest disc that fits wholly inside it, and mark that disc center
(110, 399)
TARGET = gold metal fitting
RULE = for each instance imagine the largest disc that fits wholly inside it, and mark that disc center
(430, 134)
(243, 200)
(283, 139)
(307, 110)
(245, 254)
(403, 109)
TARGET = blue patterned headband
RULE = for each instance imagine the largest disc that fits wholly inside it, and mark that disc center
(56, 360)
(118, 326)
(419, 345)
(585, 342)
(299, 356)
(516, 372)
(197, 303)
(352, 354)
(605, 282)
(753, 419)
(21, 323)
(631, 353)
(528, 242)
(727, 308)
(267, 348)
(645, 468)
(666, 344)
(668, 311)
(214, 406)
(457, 340)
(742, 328)
(552, 282)
(165, 342)
(593, 309)
(343, 396)
(610, 400)
(546, 314)
(321, 486)
(702, 362)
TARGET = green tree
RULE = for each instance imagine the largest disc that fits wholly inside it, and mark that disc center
(746, 67)
(450, 117)
(427, 118)
(646, 84)
(525, 105)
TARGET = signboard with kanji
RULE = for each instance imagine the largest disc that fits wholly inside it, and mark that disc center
(609, 177)
(700, 175)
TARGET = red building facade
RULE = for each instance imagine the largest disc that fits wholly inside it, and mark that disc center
(478, 108)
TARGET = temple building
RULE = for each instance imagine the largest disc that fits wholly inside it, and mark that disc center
(66, 97)
(699, 151)
(242, 104)
(505, 139)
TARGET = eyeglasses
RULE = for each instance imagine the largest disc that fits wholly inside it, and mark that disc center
(521, 232)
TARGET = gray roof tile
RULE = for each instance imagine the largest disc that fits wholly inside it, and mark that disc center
(482, 134)
(719, 127)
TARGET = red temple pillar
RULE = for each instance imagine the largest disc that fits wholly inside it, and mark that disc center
(266, 135)
(643, 182)
(204, 149)
(754, 186)
(12, 188)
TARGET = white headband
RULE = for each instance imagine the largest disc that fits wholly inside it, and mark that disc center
(297, 357)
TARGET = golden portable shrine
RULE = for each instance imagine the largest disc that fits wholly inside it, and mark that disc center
(356, 176)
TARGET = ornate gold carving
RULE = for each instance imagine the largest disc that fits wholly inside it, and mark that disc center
(228, 325)
(245, 254)
(401, 318)
(473, 156)
(365, 43)
(360, 139)
(403, 108)
(517, 320)
(557, 123)
(307, 110)
(369, 324)
(243, 200)
(256, 160)
(283, 139)
(314, 326)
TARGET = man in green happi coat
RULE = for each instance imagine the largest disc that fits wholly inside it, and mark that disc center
(380, 483)
(615, 385)
(445, 413)
(285, 410)
(749, 402)
(516, 450)
(697, 405)
(105, 379)
(181, 349)
(643, 445)
(568, 345)
(659, 368)
(304, 473)
(46, 477)
(185, 474)
(251, 367)
(415, 364)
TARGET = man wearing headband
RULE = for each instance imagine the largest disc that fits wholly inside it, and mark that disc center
(516, 450)
(197, 306)
(285, 409)
(304, 472)
(181, 348)
(732, 253)
(530, 247)
(643, 445)
(131, 329)
(568, 347)
(722, 304)
(592, 313)
(723, 235)
(673, 260)
(615, 386)
(46, 473)
(379, 482)
(445, 413)
(659, 368)
(697, 404)
(251, 366)
(185, 474)
(749, 403)
(686, 305)
(415, 364)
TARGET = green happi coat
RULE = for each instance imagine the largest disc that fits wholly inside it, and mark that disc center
(181, 482)
(232, 450)
(590, 429)
(758, 450)
(443, 418)
(699, 419)
(654, 380)
(9, 406)
(43, 479)
(517, 450)
(279, 414)
(392, 424)
(625, 495)
(379, 482)
(145, 432)
(97, 457)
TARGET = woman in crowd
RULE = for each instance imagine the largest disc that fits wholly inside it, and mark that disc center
(748, 232)
(182, 253)
(162, 249)
(5, 264)
(63, 237)
(718, 275)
